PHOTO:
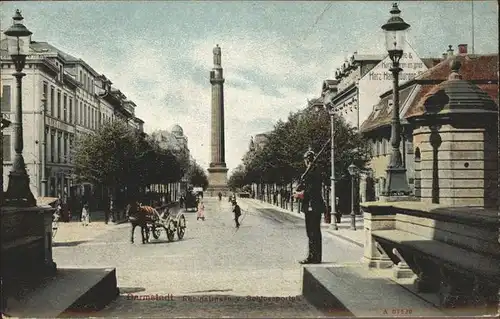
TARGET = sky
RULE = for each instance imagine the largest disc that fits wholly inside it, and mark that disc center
(275, 55)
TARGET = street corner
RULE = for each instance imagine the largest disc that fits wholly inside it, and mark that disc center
(77, 231)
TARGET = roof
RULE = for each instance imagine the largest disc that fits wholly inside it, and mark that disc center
(431, 62)
(477, 68)
(41, 47)
(474, 67)
(382, 114)
(177, 129)
(369, 57)
(417, 107)
(315, 102)
(45, 47)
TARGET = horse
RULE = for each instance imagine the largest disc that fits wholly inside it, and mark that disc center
(139, 215)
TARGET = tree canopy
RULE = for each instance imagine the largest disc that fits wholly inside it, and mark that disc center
(196, 175)
(116, 155)
(281, 159)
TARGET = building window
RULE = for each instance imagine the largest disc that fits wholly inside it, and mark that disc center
(6, 148)
(45, 93)
(52, 101)
(70, 113)
(75, 118)
(61, 73)
(52, 146)
(6, 98)
(384, 146)
(377, 148)
(81, 113)
(52, 188)
(65, 148)
(409, 147)
(65, 106)
(92, 87)
(46, 137)
(81, 77)
(59, 147)
(70, 148)
(58, 104)
(86, 122)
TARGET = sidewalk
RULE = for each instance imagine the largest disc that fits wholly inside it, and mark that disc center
(74, 231)
(356, 237)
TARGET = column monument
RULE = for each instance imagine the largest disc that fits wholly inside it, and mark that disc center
(217, 172)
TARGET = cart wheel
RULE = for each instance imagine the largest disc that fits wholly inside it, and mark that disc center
(181, 227)
(170, 230)
(156, 232)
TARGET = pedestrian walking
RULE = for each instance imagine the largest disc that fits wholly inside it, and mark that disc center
(312, 207)
(85, 215)
(220, 196)
(201, 211)
(237, 213)
(112, 210)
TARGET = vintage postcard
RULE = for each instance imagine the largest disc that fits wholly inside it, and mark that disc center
(249, 159)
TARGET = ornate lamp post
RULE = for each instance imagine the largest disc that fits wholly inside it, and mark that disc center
(44, 146)
(4, 124)
(395, 32)
(18, 192)
(329, 106)
(353, 171)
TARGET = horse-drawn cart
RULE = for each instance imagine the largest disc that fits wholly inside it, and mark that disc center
(169, 222)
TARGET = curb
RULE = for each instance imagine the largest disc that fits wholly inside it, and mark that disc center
(298, 215)
(120, 222)
(352, 241)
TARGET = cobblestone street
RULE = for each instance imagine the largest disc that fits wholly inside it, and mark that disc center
(212, 271)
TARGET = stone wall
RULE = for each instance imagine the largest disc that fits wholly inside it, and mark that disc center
(460, 168)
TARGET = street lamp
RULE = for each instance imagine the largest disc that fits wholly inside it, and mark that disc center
(44, 146)
(4, 124)
(395, 32)
(18, 192)
(353, 171)
(327, 98)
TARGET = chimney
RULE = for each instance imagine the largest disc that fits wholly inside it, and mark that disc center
(450, 51)
(462, 49)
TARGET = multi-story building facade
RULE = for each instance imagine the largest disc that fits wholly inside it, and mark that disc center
(363, 77)
(78, 100)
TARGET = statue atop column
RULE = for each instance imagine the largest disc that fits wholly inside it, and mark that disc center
(217, 56)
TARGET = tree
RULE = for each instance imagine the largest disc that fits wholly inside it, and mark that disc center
(116, 156)
(237, 178)
(281, 159)
(104, 157)
(197, 176)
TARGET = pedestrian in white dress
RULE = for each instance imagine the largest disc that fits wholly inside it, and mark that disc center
(85, 215)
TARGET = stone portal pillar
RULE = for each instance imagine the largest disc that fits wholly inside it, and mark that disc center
(217, 172)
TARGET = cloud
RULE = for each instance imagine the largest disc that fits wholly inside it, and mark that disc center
(263, 84)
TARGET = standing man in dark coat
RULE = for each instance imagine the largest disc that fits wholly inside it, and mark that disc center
(312, 207)
(237, 213)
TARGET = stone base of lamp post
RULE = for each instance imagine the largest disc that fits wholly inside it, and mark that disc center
(18, 192)
(397, 183)
(26, 244)
(406, 198)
